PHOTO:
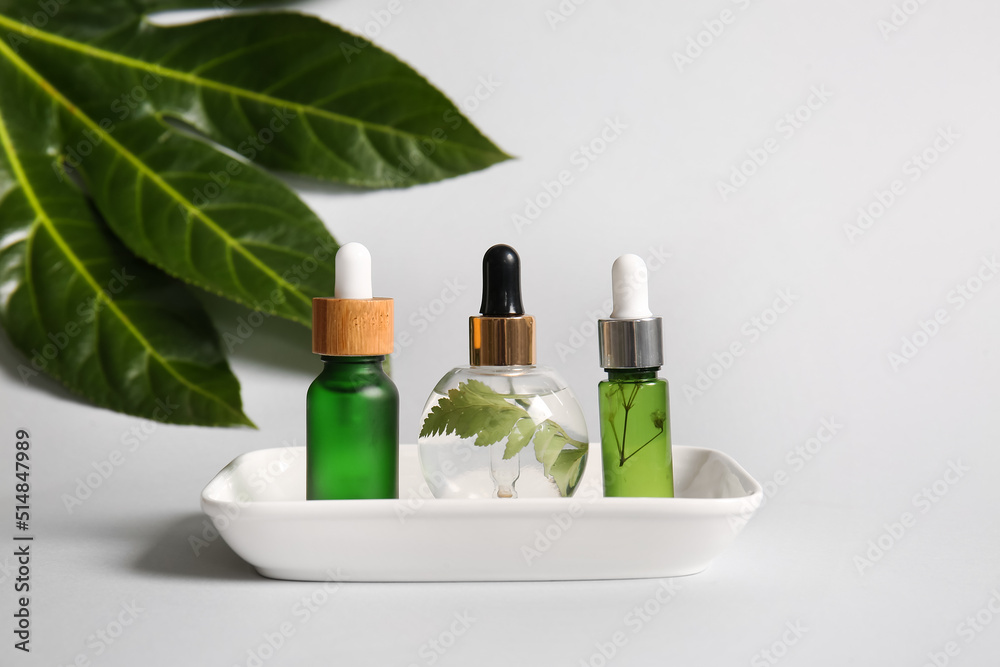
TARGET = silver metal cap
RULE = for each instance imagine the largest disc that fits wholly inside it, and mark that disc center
(632, 343)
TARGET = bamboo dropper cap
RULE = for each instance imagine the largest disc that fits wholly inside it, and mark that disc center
(352, 323)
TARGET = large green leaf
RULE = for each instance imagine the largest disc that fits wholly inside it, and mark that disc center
(79, 305)
(92, 92)
(360, 115)
(280, 89)
(205, 217)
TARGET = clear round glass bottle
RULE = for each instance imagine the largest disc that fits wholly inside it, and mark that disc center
(546, 424)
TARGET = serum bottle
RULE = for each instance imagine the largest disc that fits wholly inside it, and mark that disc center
(502, 427)
(352, 408)
(634, 401)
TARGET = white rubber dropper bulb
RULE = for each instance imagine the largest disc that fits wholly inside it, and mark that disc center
(353, 272)
(629, 288)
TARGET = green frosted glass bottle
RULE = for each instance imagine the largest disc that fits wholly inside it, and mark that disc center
(634, 402)
(352, 427)
(352, 408)
(635, 434)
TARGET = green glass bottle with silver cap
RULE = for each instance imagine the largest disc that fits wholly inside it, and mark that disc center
(634, 401)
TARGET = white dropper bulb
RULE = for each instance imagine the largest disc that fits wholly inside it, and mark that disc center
(353, 272)
(629, 288)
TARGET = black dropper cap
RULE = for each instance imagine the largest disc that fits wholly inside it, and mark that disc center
(503, 335)
(501, 283)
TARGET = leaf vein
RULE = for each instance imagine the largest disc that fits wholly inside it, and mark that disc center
(202, 82)
(8, 147)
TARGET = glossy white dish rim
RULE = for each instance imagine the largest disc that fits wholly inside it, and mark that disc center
(216, 493)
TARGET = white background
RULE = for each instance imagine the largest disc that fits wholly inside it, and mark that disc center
(655, 187)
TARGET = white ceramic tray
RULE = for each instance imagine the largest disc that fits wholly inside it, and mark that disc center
(258, 504)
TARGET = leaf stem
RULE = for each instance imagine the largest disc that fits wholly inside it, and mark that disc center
(621, 453)
(627, 405)
(644, 444)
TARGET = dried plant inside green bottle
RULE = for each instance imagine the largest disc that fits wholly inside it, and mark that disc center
(635, 434)
(634, 402)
